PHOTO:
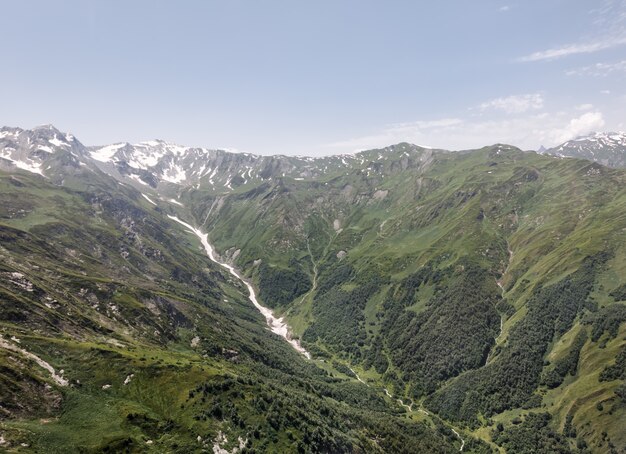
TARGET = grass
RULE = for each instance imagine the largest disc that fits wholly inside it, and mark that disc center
(552, 213)
(581, 396)
(94, 417)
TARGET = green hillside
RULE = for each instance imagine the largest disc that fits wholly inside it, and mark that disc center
(472, 300)
(408, 255)
(154, 348)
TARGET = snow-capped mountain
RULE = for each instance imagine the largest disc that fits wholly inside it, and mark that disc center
(169, 167)
(606, 148)
(39, 149)
(157, 162)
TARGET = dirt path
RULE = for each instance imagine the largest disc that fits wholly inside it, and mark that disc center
(410, 409)
(400, 401)
(460, 438)
(357, 376)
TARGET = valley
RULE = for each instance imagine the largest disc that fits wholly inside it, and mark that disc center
(277, 326)
(404, 299)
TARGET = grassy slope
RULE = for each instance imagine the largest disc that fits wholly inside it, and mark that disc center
(110, 291)
(551, 213)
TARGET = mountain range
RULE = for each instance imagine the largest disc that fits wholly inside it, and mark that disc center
(608, 149)
(446, 301)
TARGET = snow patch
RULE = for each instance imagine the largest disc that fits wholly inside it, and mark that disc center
(177, 149)
(45, 148)
(150, 143)
(148, 199)
(29, 167)
(144, 157)
(56, 142)
(105, 154)
(175, 174)
(137, 179)
(212, 175)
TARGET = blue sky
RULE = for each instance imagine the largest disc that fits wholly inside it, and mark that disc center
(316, 78)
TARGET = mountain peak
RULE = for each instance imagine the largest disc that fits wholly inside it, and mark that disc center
(607, 148)
(39, 148)
(607, 135)
(47, 127)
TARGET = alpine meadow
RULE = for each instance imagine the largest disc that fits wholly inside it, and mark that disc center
(342, 289)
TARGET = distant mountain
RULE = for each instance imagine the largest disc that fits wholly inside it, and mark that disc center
(38, 149)
(606, 148)
(162, 166)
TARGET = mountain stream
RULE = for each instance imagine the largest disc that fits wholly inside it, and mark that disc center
(276, 325)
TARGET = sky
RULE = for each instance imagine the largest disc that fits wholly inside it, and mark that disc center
(315, 77)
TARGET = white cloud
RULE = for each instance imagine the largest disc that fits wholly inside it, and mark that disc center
(584, 107)
(399, 132)
(504, 8)
(599, 69)
(573, 49)
(609, 13)
(514, 104)
(423, 125)
(586, 123)
(606, 31)
(605, 92)
(528, 132)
